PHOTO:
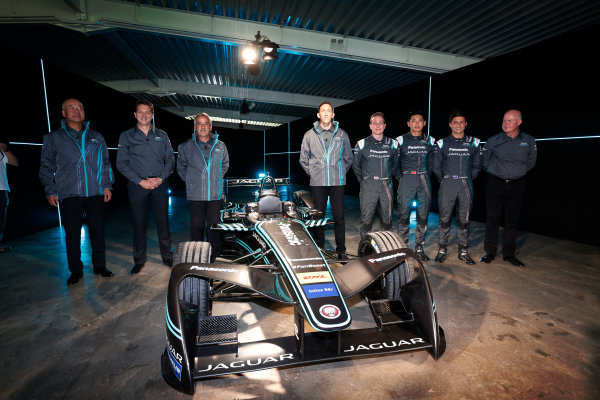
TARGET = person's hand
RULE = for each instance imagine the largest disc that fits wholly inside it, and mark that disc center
(107, 195)
(147, 184)
(3, 147)
(156, 181)
(53, 200)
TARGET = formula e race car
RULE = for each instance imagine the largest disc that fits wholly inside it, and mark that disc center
(269, 252)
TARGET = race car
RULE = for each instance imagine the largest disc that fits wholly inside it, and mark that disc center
(269, 252)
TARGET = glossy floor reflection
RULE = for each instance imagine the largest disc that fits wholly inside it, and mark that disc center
(511, 332)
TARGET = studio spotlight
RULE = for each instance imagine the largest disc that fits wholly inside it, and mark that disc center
(250, 54)
(260, 49)
(269, 50)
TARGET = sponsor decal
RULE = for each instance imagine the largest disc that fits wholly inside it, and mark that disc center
(379, 346)
(214, 269)
(320, 290)
(259, 240)
(386, 257)
(313, 277)
(306, 259)
(308, 266)
(175, 366)
(248, 363)
(329, 311)
(289, 235)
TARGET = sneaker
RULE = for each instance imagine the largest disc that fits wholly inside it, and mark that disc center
(463, 255)
(441, 255)
(421, 252)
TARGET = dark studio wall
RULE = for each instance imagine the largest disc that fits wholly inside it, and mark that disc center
(551, 83)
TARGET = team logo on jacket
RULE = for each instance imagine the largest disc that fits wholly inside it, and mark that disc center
(330, 311)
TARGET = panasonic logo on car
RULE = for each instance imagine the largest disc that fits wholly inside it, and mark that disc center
(197, 268)
(248, 363)
(379, 346)
(289, 235)
(386, 257)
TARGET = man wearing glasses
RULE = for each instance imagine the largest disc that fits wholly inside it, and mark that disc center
(202, 162)
(374, 163)
(145, 157)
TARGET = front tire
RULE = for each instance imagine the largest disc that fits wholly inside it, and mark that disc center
(390, 284)
(194, 292)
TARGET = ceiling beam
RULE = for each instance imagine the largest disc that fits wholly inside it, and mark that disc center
(165, 87)
(188, 111)
(106, 14)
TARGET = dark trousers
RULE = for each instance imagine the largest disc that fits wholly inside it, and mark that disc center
(410, 188)
(336, 199)
(72, 211)
(203, 214)
(503, 197)
(3, 207)
(455, 194)
(139, 199)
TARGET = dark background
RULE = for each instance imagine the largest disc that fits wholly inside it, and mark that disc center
(554, 84)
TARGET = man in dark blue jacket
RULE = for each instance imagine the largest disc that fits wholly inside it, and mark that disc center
(202, 163)
(456, 162)
(507, 158)
(77, 177)
(415, 151)
(146, 158)
(374, 164)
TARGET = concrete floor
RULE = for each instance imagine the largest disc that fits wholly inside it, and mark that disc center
(512, 333)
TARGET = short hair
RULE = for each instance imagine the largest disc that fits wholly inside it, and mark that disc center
(144, 103)
(416, 112)
(202, 115)
(377, 114)
(325, 102)
(456, 113)
(62, 106)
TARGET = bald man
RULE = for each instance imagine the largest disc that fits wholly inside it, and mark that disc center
(507, 158)
(76, 173)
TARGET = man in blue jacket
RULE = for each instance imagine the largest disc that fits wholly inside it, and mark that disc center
(202, 163)
(77, 177)
(145, 157)
(326, 156)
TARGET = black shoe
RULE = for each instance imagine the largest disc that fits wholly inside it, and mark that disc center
(463, 255)
(74, 278)
(441, 255)
(487, 258)
(136, 268)
(105, 272)
(421, 252)
(168, 263)
(342, 256)
(513, 260)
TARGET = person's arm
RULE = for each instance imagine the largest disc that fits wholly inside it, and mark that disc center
(169, 158)
(532, 156)
(48, 169)
(393, 159)
(486, 155)
(438, 160)
(225, 162)
(10, 157)
(347, 154)
(476, 161)
(305, 154)
(123, 161)
(357, 161)
(182, 163)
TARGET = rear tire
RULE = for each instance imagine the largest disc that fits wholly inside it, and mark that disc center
(194, 292)
(378, 242)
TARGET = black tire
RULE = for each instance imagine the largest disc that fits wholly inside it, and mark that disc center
(379, 242)
(194, 292)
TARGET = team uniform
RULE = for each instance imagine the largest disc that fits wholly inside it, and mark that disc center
(374, 164)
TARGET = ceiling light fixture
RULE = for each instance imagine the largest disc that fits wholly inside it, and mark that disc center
(261, 48)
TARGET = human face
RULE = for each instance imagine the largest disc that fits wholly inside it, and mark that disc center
(73, 112)
(511, 122)
(203, 128)
(143, 114)
(377, 125)
(458, 125)
(416, 124)
(325, 114)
